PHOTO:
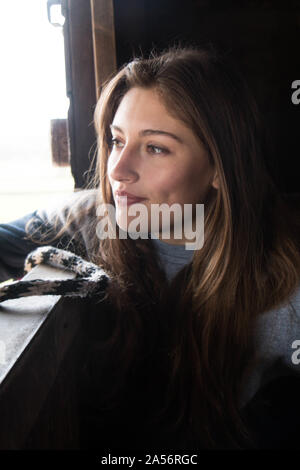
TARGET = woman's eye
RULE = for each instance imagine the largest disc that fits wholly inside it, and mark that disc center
(115, 142)
(154, 149)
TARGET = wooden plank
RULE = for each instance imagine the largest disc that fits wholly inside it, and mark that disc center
(59, 142)
(38, 332)
(21, 318)
(80, 87)
(103, 30)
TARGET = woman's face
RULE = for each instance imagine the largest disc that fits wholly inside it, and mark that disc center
(154, 157)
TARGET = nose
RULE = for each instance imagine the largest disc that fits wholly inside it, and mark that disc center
(122, 165)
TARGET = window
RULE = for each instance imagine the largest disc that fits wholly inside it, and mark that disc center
(33, 98)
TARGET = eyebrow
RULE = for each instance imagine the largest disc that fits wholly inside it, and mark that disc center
(151, 132)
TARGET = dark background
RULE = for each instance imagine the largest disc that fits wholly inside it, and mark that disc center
(263, 38)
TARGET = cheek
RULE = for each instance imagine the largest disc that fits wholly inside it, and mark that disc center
(164, 184)
(179, 178)
(198, 176)
(185, 183)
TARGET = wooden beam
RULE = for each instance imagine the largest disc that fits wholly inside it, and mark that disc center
(103, 29)
(80, 87)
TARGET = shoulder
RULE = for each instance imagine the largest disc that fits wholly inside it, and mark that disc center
(278, 331)
(277, 345)
(80, 202)
(70, 220)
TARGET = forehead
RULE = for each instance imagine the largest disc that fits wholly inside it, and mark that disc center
(144, 106)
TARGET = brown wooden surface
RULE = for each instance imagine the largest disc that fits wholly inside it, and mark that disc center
(103, 40)
(59, 142)
(38, 396)
(80, 86)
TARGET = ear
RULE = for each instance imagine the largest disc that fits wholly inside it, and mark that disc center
(215, 182)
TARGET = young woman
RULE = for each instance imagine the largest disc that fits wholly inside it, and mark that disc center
(190, 335)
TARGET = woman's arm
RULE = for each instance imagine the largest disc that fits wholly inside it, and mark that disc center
(14, 247)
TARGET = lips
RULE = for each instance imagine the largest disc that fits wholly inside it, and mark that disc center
(131, 198)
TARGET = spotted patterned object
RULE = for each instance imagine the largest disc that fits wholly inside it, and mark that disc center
(90, 279)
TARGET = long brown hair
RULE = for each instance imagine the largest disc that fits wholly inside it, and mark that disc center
(249, 263)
